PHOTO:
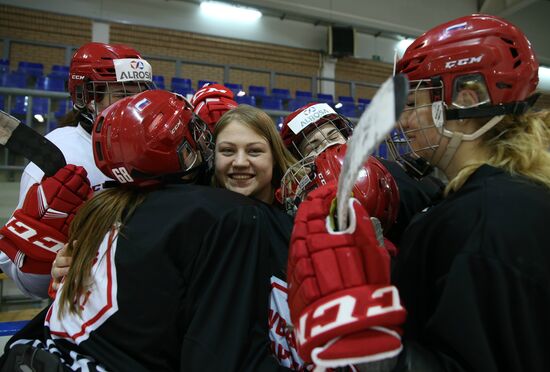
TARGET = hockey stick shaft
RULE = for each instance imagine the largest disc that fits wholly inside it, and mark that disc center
(23, 140)
(375, 124)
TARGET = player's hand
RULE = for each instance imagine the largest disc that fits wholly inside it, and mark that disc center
(60, 268)
(40, 227)
(343, 308)
(211, 102)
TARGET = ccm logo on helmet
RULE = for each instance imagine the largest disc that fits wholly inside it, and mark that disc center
(78, 77)
(463, 61)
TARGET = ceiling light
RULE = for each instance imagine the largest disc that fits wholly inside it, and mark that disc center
(230, 12)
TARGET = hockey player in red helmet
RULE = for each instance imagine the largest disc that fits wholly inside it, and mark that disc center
(472, 268)
(375, 187)
(211, 102)
(143, 152)
(312, 128)
(99, 75)
(160, 258)
(315, 127)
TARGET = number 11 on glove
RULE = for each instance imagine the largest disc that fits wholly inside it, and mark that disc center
(342, 305)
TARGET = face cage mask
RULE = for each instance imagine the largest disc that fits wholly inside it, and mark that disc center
(204, 140)
(343, 130)
(97, 91)
(299, 180)
(403, 140)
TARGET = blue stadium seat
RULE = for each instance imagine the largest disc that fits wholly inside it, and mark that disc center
(303, 94)
(178, 83)
(17, 79)
(3, 83)
(65, 106)
(280, 93)
(272, 103)
(159, 81)
(361, 107)
(32, 71)
(347, 109)
(51, 83)
(326, 98)
(247, 100)
(366, 101)
(298, 102)
(186, 92)
(60, 71)
(382, 151)
(235, 88)
(4, 66)
(201, 83)
(347, 99)
(257, 90)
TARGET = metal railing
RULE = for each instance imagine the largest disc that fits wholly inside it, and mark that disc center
(315, 81)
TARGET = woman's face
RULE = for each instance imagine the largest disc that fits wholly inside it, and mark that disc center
(244, 162)
(417, 124)
(320, 138)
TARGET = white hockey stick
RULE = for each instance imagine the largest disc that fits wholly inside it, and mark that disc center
(374, 125)
(24, 140)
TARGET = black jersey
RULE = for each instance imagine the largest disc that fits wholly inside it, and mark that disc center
(184, 285)
(414, 196)
(474, 275)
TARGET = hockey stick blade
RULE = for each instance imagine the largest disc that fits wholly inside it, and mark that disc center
(374, 125)
(23, 140)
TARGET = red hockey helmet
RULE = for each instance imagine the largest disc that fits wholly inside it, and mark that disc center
(303, 130)
(375, 187)
(211, 102)
(486, 45)
(95, 63)
(483, 53)
(152, 134)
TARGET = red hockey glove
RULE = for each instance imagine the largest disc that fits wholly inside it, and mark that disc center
(211, 102)
(40, 228)
(342, 305)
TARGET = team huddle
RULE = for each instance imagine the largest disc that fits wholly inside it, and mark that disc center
(192, 235)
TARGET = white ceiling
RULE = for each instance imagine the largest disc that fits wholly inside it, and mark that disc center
(412, 17)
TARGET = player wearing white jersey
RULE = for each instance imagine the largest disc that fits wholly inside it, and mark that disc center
(100, 74)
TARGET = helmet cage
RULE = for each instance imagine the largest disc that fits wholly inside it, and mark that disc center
(204, 139)
(96, 91)
(343, 130)
(299, 179)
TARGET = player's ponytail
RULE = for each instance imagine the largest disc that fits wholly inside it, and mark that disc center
(520, 145)
(97, 217)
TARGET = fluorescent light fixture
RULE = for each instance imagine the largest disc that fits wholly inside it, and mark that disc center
(338, 105)
(241, 93)
(544, 78)
(39, 118)
(221, 10)
(402, 46)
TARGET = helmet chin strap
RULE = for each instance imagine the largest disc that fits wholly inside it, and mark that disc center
(456, 138)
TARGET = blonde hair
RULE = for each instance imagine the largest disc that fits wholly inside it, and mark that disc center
(96, 218)
(261, 123)
(519, 144)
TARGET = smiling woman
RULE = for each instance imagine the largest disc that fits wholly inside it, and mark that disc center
(250, 156)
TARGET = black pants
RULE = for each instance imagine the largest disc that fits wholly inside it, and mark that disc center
(26, 358)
